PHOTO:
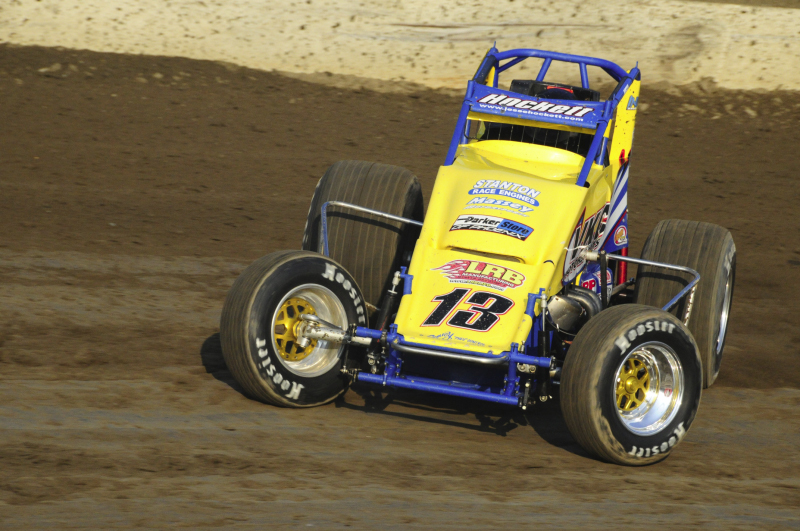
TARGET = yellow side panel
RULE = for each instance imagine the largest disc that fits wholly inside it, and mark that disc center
(623, 127)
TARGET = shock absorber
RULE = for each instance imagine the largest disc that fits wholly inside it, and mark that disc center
(384, 314)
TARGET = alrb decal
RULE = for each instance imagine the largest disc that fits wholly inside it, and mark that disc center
(481, 273)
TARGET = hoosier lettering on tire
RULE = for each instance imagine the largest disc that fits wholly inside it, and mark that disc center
(259, 323)
(631, 384)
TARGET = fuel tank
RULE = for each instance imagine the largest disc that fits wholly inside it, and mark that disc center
(497, 227)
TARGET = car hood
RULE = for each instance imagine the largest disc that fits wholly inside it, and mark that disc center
(495, 229)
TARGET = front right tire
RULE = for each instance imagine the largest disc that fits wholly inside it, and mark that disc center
(631, 384)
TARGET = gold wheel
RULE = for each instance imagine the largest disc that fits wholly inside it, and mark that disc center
(649, 388)
(286, 322)
(633, 382)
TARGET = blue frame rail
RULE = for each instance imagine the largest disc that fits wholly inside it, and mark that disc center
(342, 204)
(392, 376)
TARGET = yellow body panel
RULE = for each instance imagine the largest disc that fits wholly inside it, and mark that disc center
(507, 172)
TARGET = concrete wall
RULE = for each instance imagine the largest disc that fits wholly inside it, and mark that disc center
(433, 42)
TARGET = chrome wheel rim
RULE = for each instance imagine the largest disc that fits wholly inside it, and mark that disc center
(648, 390)
(726, 308)
(319, 356)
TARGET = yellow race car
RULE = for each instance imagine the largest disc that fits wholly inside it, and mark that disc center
(513, 287)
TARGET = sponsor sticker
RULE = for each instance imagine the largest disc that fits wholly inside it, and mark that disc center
(586, 235)
(449, 336)
(481, 274)
(632, 103)
(506, 189)
(677, 434)
(590, 279)
(494, 224)
(498, 204)
(621, 235)
(536, 107)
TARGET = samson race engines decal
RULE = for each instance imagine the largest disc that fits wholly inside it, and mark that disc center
(494, 224)
(574, 113)
(482, 274)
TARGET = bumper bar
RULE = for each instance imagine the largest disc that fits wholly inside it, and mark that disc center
(440, 387)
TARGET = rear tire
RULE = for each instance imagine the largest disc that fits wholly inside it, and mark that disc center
(372, 248)
(631, 384)
(709, 250)
(258, 323)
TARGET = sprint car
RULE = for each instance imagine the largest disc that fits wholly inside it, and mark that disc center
(513, 288)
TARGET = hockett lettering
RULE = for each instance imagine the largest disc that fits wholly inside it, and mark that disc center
(482, 274)
(502, 100)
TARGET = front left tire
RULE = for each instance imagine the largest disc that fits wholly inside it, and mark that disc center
(259, 320)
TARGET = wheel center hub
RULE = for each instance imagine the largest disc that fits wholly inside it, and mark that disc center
(631, 385)
(286, 329)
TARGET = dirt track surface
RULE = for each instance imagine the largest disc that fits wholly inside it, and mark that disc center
(135, 189)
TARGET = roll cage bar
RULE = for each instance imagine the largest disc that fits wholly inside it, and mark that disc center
(594, 116)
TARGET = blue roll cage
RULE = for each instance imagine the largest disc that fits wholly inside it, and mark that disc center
(602, 112)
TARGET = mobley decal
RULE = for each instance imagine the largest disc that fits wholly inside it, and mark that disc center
(481, 273)
(494, 224)
(498, 204)
(507, 189)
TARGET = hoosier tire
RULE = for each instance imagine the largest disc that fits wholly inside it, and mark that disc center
(709, 250)
(631, 384)
(258, 325)
(368, 246)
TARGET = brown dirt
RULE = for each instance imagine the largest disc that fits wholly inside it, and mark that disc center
(794, 4)
(133, 191)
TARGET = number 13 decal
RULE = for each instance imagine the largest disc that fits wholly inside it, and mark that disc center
(481, 315)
